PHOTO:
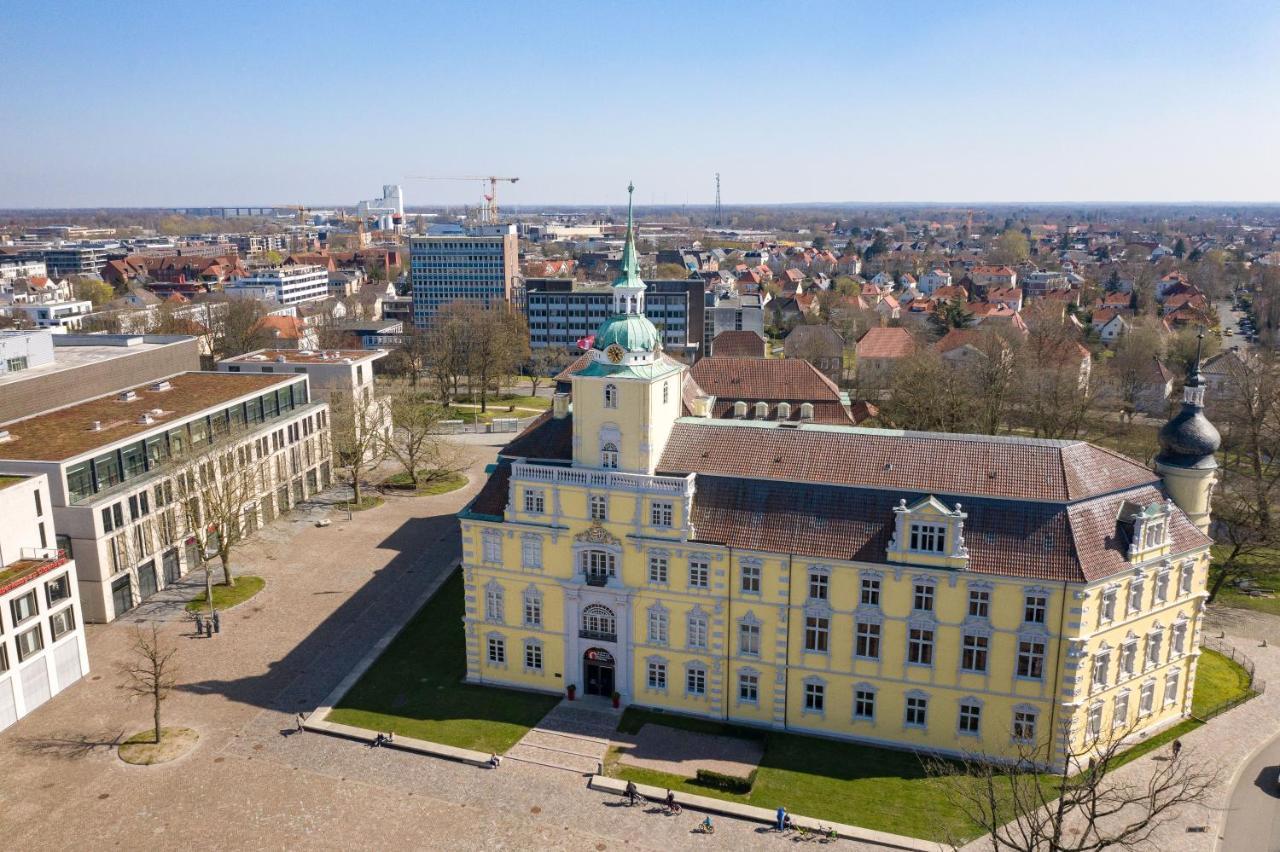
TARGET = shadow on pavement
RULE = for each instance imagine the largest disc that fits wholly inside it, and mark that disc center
(69, 746)
(1268, 781)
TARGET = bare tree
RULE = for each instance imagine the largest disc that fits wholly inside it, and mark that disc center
(1079, 808)
(360, 440)
(544, 363)
(237, 327)
(1134, 364)
(216, 489)
(415, 442)
(150, 671)
(446, 348)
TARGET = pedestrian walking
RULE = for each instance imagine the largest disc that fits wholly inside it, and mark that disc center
(1177, 747)
(300, 720)
(782, 818)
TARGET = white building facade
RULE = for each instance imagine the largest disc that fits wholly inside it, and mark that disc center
(284, 285)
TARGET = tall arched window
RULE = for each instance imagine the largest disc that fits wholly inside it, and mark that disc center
(598, 622)
(609, 455)
(610, 396)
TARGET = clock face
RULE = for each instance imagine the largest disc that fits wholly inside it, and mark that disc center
(615, 353)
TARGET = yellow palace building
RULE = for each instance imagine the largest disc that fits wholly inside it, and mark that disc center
(951, 593)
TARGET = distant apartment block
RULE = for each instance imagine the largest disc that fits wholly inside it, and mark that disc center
(15, 266)
(59, 316)
(112, 464)
(283, 285)
(42, 649)
(255, 245)
(451, 264)
(731, 312)
(72, 259)
(561, 311)
(1037, 284)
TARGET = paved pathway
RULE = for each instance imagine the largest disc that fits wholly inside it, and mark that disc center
(574, 735)
(1253, 815)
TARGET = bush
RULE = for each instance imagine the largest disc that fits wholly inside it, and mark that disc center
(727, 783)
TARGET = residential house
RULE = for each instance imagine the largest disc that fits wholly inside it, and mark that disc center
(880, 351)
(820, 345)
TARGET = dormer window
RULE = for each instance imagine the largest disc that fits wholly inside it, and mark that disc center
(610, 396)
(739, 409)
(1147, 528)
(928, 538)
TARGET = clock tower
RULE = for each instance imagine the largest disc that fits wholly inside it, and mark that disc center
(628, 398)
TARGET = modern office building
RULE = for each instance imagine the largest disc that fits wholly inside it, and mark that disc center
(726, 311)
(451, 263)
(111, 463)
(42, 649)
(58, 316)
(72, 258)
(938, 592)
(562, 311)
(40, 370)
(16, 266)
(283, 285)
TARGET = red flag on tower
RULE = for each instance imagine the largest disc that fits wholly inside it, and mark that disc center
(585, 343)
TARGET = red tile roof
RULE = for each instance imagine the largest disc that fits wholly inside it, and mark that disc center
(738, 344)
(765, 379)
(886, 343)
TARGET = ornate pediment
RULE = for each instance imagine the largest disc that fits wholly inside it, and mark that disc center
(596, 534)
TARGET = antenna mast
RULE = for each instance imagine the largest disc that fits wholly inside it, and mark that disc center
(719, 220)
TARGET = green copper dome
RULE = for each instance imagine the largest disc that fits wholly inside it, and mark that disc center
(633, 332)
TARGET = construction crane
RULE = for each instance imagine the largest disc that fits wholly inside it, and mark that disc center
(489, 211)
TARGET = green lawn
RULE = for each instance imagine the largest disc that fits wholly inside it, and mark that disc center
(367, 501)
(427, 485)
(518, 400)
(1229, 596)
(882, 789)
(415, 688)
(224, 597)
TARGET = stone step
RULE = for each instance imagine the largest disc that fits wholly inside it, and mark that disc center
(527, 753)
(572, 743)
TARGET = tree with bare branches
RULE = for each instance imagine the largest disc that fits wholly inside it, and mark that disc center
(1083, 807)
(415, 440)
(150, 671)
(216, 489)
(360, 435)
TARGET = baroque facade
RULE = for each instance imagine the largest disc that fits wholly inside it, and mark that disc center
(952, 593)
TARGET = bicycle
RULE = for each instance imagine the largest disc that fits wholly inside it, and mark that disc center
(705, 827)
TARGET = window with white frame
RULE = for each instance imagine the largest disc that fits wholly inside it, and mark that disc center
(1129, 657)
(917, 711)
(749, 639)
(599, 507)
(970, 721)
(532, 609)
(535, 501)
(599, 621)
(920, 646)
(657, 676)
(493, 603)
(1120, 710)
(979, 603)
(1155, 642)
(864, 702)
(1161, 593)
(973, 652)
(1107, 606)
(695, 679)
(491, 541)
(660, 513)
(815, 696)
(870, 591)
(1024, 724)
(598, 565)
(866, 642)
(533, 656)
(928, 538)
(1101, 669)
(699, 573)
(922, 597)
(658, 569)
(1186, 576)
(609, 456)
(696, 626)
(819, 585)
(610, 396)
(1134, 602)
(1094, 724)
(531, 551)
(817, 630)
(1147, 698)
(1153, 534)
(1035, 608)
(1031, 659)
(1178, 640)
(749, 687)
(658, 626)
(497, 650)
(750, 576)
(1171, 688)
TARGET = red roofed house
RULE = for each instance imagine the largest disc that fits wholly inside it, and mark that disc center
(880, 351)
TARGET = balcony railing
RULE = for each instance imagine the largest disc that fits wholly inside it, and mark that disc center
(596, 578)
(681, 486)
(597, 635)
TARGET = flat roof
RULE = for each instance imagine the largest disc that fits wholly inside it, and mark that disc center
(303, 356)
(66, 433)
(16, 573)
(7, 479)
(73, 357)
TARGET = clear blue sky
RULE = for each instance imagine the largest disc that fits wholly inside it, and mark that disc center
(183, 103)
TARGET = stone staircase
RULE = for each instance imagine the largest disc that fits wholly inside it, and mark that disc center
(574, 737)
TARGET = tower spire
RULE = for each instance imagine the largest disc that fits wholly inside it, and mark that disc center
(628, 288)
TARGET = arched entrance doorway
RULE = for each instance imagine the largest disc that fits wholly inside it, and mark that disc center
(597, 672)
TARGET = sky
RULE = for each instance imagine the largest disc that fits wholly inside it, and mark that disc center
(122, 104)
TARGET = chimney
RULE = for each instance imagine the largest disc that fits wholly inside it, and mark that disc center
(560, 406)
